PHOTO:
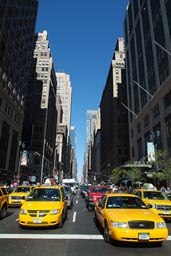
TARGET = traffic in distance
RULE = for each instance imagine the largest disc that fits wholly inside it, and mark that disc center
(137, 217)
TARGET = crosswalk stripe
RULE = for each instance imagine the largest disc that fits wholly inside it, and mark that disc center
(50, 236)
(56, 236)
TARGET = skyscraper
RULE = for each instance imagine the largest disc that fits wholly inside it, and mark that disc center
(91, 117)
(73, 138)
(64, 90)
(40, 110)
(114, 117)
(148, 65)
(17, 26)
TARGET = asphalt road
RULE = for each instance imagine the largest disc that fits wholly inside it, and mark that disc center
(80, 236)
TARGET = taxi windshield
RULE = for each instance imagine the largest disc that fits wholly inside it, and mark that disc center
(44, 194)
(154, 195)
(22, 189)
(125, 202)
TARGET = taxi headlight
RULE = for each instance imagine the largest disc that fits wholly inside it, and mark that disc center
(23, 211)
(160, 225)
(10, 197)
(153, 206)
(119, 224)
(55, 211)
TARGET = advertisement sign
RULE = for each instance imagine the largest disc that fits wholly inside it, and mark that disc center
(151, 152)
(24, 155)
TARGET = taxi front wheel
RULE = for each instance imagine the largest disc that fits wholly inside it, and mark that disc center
(22, 227)
(60, 225)
(3, 212)
(106, 233)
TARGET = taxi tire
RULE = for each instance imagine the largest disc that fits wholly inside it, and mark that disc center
(71, 206)
(106, 233)
(60, 225)
(3, 212)
(22, 227)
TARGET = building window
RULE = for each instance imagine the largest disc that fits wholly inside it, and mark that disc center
(168, 130)
(132, 133)
(146, 120)
(139, 128)
(156, 111)
(167, 100)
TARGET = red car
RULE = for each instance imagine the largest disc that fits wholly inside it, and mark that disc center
(94, 194)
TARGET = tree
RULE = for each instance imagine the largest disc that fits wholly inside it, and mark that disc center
(118, 174)
(131, 173)
(164, 167)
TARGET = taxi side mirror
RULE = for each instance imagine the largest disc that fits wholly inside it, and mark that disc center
(65, 198)
(100, 204)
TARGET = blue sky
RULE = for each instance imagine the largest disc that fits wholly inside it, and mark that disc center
(82, 36)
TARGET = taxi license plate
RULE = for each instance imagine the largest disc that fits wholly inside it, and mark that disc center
(143, 236)
(165, 212)
(37, 221)
(16, 200)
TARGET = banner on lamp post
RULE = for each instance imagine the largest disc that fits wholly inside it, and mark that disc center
(24, 156)
(151, 152)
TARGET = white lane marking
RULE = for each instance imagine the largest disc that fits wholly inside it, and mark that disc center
(74, 217)
(51, 236)
(17, 219)
(76, 201)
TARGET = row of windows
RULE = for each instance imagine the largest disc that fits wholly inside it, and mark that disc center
(42, 69)
(42, 75)
(119, 65)
(146, 137)
(155, 112)
(43, 63)
(9, 111)
(41, 54)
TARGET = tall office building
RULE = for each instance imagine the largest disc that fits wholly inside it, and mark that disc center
(64, 90)
(73, 138)
(148, 66)
(39, 129)
(114, 116)
(17, 26)
(96, 149)
(91, 117)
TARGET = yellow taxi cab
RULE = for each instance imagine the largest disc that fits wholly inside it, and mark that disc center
(3, 202)
(45, 206)
(126, 218)
(157, 200)
(18, 195)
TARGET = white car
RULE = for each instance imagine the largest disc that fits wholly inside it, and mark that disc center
(69, 194)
